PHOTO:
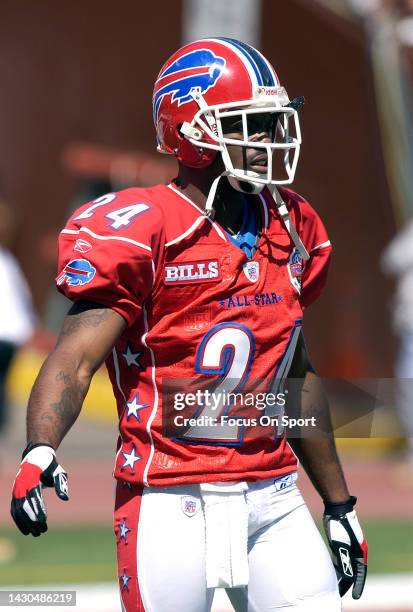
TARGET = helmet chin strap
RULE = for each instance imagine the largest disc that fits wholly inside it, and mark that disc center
(285, 216)
(209, 210)
(238, 185)
(251, 188)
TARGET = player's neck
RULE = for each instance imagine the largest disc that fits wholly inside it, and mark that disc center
(196, 184)
(229, 207)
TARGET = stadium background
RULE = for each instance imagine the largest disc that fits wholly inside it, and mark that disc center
(75, 121)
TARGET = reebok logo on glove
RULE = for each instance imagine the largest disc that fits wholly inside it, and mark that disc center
(346, 561)
(63, 483)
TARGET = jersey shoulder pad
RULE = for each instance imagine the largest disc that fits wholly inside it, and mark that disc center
(131, 214)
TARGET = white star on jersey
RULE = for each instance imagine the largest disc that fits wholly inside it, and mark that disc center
(125, 579)
(131, 358)
(123, 531)
(133, 408)
(131, 458)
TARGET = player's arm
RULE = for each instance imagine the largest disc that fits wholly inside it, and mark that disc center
(314, 445)
(315, 448)
(87, 336)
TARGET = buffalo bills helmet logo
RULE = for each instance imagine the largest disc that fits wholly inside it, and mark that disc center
(77, 272)
(195, 72)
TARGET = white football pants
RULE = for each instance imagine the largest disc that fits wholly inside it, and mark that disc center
(258, 539)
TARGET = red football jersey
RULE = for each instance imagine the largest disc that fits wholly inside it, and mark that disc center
(197, 309)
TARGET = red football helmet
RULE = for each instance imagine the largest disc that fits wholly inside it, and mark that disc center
(217, 78)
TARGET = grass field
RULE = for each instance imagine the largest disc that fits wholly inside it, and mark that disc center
(63, 555)
(87, 554)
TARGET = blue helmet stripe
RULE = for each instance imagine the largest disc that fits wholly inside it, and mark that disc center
(257, 62)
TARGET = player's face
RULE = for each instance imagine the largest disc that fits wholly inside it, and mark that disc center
(261, 128)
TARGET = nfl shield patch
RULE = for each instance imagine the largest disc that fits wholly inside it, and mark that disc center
(190, 505)
(295, 269)
(252, 271)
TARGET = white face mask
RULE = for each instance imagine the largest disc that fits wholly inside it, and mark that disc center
(284, 142)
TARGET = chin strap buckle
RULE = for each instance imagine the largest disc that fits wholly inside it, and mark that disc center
(190, 131)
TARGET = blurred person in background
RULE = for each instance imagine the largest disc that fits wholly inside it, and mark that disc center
(397, 261)
(16, 323)
(205, 278)
(403, 10)
(17, 316)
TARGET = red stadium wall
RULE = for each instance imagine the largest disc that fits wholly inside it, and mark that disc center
(72, 72)
(84, 72)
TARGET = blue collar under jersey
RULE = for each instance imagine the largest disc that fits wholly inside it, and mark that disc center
(246, 238)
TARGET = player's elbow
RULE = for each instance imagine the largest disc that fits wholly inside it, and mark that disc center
(74, 363)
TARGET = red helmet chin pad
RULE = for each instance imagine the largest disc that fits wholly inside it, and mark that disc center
(193, 156)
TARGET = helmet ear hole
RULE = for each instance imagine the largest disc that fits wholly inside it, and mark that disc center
(194, 156)
(178, 131)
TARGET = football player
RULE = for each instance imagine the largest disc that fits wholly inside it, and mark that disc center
(185, 288)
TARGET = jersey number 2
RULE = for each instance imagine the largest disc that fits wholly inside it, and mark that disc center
(228, 350)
